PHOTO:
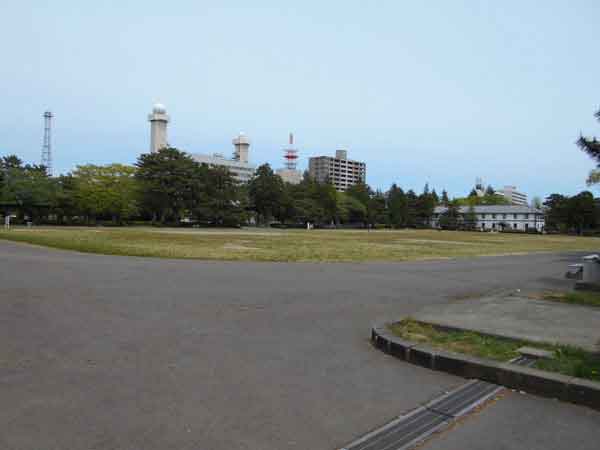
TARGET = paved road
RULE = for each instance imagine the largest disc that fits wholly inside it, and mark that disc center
(101, 352)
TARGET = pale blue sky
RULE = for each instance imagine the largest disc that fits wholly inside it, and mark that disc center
(440, 91)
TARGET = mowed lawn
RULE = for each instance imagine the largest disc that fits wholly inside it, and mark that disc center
(295, 245)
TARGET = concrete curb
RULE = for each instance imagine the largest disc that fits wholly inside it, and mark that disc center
(534, 381)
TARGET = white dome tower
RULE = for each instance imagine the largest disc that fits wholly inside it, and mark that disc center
(158, 127)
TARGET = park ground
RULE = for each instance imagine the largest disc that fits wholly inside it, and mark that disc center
(110, 352)
(255, 244)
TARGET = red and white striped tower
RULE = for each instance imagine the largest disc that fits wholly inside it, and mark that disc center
(291, 155)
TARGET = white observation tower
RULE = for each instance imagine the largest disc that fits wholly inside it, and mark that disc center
(158, 127)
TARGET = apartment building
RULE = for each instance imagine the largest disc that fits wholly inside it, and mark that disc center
(339, 170)
(511, 194)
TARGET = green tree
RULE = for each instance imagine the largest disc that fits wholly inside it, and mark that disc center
(325, 196)
(581, 212)
(301, 202)
(557, 212)
(412, 208)
(451, 219)
(470, 219)
(8, 164)
(27, 188)
(445, 199)
(397, 206)
(266, 192)
(591, 146)
(350, 210)
(63, 204)
(425, 206)
(436, 198)
(536, 202)
(376, 209)
(219, 199)
(106, 191)
(167, 180)
(361, 192)
(374, 202)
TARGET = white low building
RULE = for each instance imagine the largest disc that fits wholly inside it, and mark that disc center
(241, 171)
(239, 165)
(290, 175)
(499, 217)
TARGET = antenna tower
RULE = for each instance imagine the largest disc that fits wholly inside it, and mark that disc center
(290, 155)
(47, 145)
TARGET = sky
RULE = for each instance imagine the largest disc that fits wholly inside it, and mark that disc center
(439, 92)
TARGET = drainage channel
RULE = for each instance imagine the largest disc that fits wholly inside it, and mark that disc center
(408, 430)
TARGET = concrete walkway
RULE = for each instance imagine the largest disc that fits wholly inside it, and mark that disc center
(109, 353)
(521, 318)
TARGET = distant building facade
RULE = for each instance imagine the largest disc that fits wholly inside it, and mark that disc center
(242, 172)
(339, 170)
(239, 165)
(291, 176)
(511, 194)
(499, 217)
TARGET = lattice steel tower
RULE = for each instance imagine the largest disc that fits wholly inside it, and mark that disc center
(47, 145)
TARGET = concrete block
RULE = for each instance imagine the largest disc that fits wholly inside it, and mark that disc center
(535, 352)
(381, 343)
(466, 366)
(421, 355)
(400, 348)
(584, 392)
(533, 381)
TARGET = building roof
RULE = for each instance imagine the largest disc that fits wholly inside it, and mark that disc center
(218, 160)
(494, 209)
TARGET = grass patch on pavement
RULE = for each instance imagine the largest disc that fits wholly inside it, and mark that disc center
(586, 298)
(294, 245)
(567, 360)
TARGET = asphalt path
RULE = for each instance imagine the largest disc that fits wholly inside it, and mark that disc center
(102, 352)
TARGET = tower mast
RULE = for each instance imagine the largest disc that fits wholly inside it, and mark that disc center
(290, 155)
(47, 144)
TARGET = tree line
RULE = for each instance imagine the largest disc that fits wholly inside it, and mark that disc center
(572, 214)
(169, 187)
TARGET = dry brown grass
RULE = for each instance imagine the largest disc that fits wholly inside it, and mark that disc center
(296, 245)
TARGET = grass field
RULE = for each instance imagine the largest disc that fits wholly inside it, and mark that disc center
(294, 245)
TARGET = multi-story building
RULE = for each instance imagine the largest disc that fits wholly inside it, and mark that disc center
(498, 217)
(239, 165)
(511, 194)
(241, 171)
(339, 171)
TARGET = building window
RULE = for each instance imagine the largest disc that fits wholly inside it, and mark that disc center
(504, 216)
(483, 216)
(514, 217)
(515, 225)
(493, 216)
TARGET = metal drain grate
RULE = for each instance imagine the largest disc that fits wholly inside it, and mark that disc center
(412, 428)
